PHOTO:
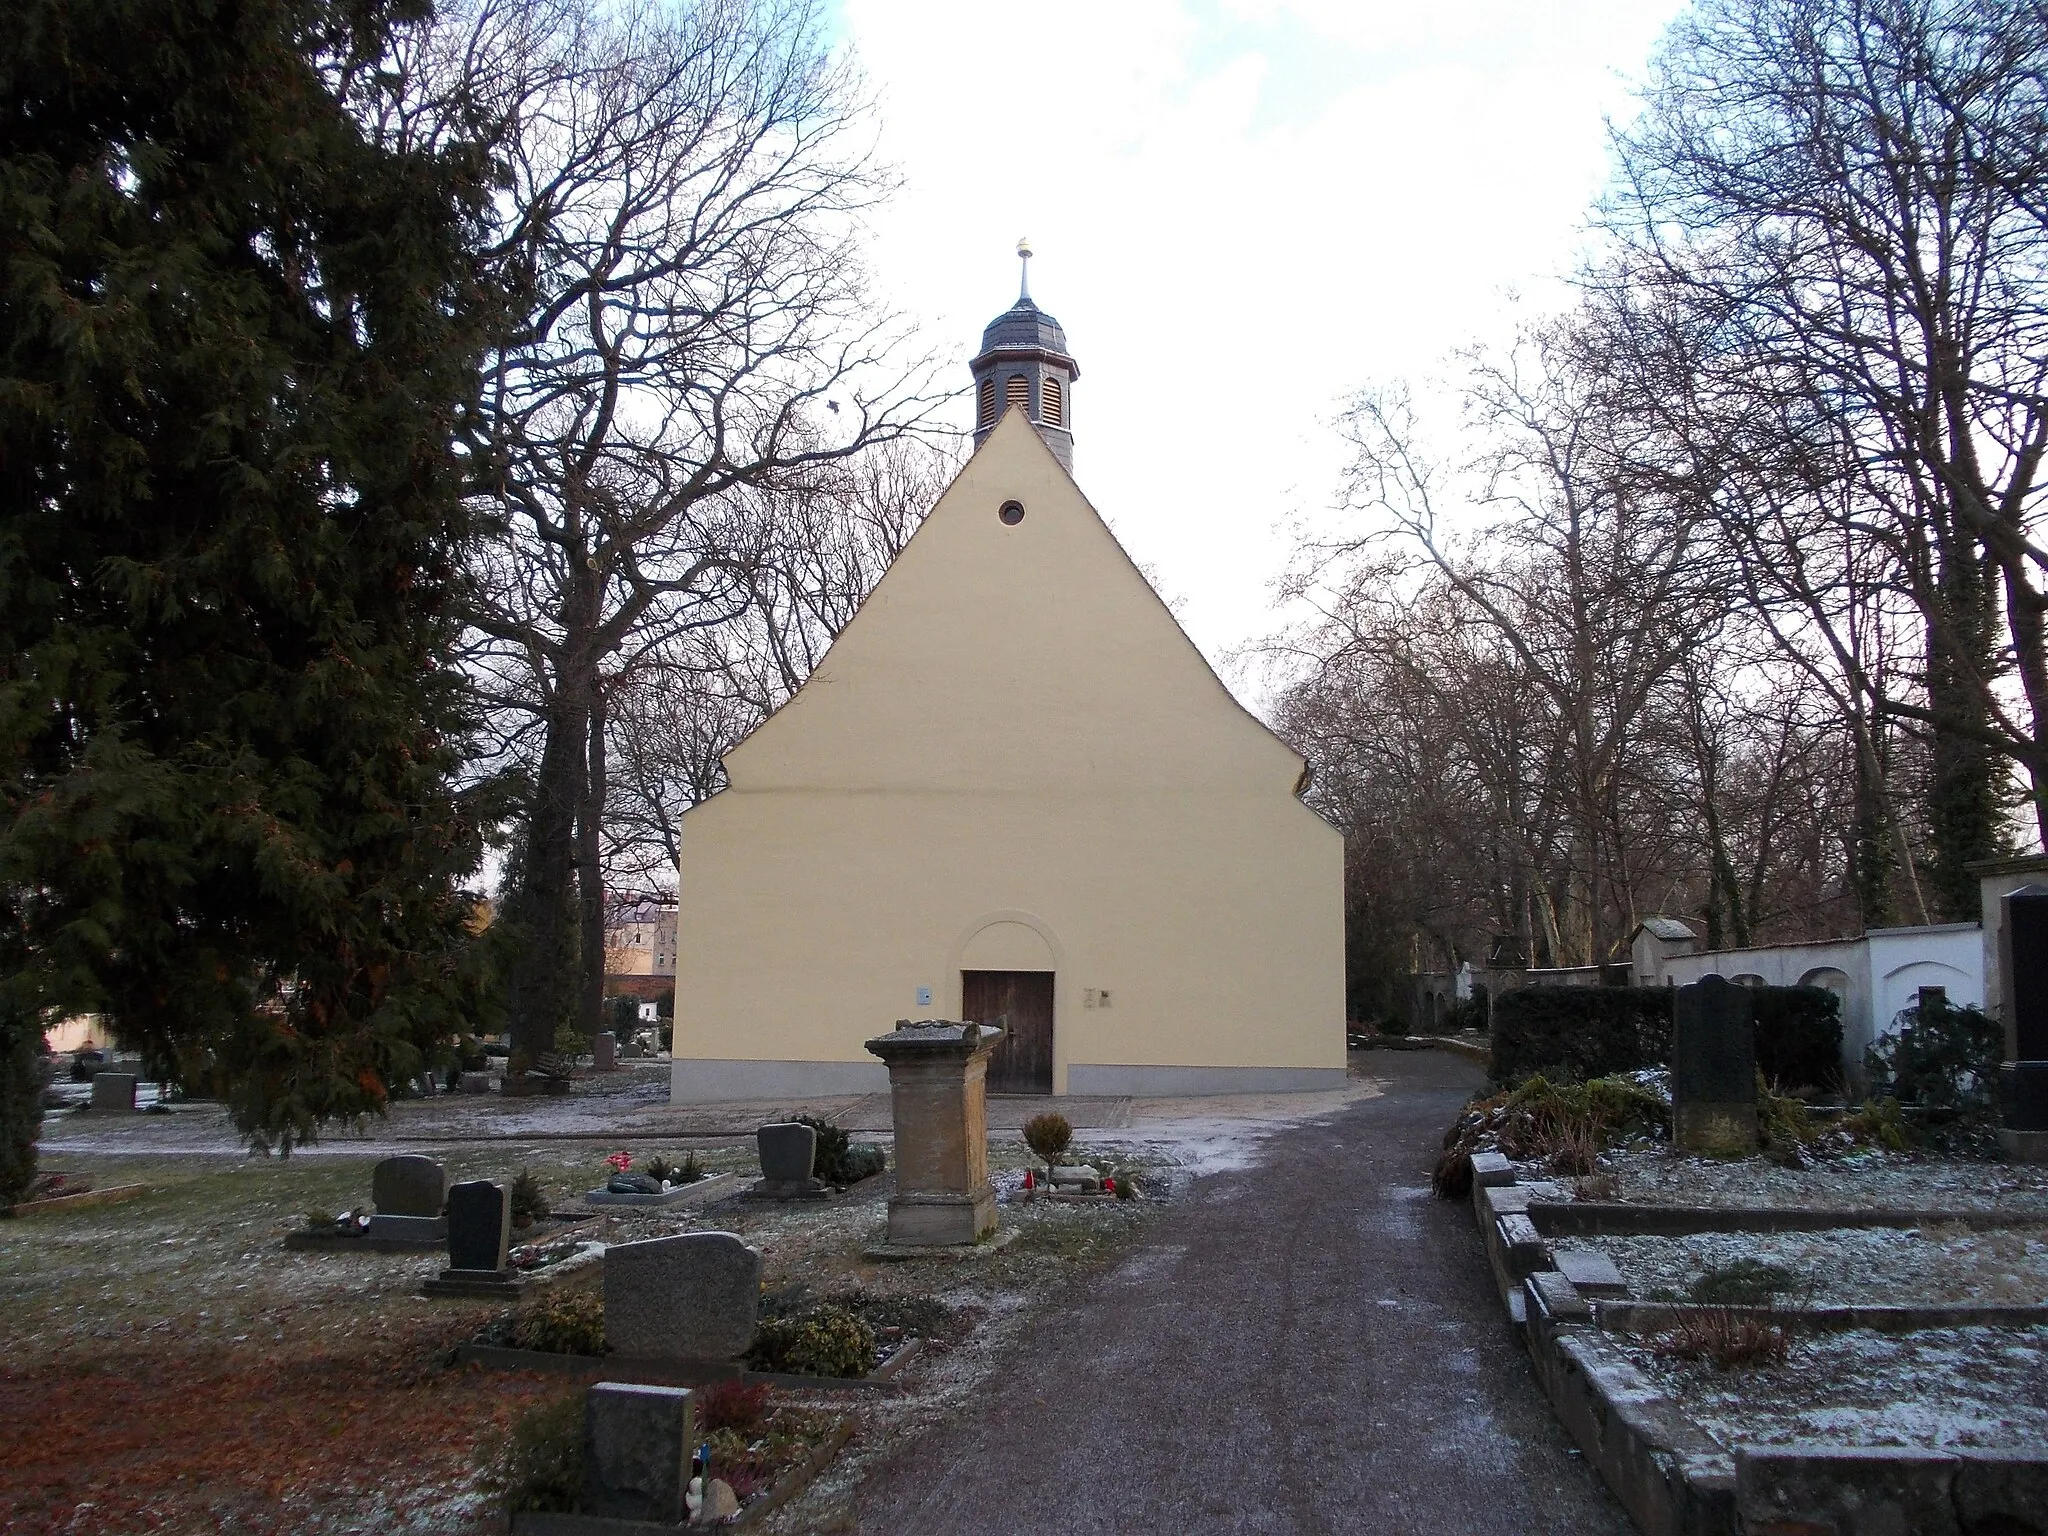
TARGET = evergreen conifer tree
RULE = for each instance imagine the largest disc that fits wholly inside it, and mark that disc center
(237, 332)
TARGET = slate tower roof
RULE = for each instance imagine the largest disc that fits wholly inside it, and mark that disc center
(1024, 364)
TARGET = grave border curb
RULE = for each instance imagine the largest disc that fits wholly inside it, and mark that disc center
(113, 1194)
(1666, 1470)
(886, 1376)
(785, 1488)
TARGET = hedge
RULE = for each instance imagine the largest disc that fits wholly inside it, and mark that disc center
(1579, 1033)
(1799, 1037)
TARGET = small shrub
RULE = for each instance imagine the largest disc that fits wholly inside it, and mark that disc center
(838, 1161)
(1049, 1135)
(824, 1340)
(529, 1198)
(691, 1170)
(1799, 1037)
(1942, 1059)
(1744, 1283)
(1393, 1024)
(1880, 1124)
(540, 1465)
(1731, 1340)
(1786, 1125)
(1452, 1177)
(22, 1059)
(562, 1323)
(1471, 1016)
(732, 1404)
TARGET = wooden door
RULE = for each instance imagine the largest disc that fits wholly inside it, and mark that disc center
(1020, 1001)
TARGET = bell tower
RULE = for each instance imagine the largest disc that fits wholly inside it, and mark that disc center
(1024, 365)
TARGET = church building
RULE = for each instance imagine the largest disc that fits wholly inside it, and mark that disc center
(1013, 791)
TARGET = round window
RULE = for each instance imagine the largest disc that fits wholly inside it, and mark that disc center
(1012, 513)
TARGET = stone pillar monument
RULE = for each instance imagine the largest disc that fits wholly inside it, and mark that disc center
(1713, 1068)
(2023, 1005)
(938, 1089)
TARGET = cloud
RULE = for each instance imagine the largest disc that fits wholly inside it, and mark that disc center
(1243, 210)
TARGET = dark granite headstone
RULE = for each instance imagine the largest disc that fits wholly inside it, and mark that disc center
(408, 1185)
(637, 1442)
(1713, 1067)
(788, 1152)
(479, 1226)
(2023, 991)
(2023, 972)
(113, 1093)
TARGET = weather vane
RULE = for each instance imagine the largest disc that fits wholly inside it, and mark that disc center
(1023, 269)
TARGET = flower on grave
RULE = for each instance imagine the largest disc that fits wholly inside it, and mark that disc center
(1030, 1182)
(1109, 1186)
(619, 1162)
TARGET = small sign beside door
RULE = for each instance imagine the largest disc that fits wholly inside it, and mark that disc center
(924, 997)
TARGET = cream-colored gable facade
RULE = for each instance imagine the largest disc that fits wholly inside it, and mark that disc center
(1011, 760)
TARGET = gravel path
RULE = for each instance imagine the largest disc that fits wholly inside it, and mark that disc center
(1310, 1344)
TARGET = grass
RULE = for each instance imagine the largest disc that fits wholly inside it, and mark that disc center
(185, 1372)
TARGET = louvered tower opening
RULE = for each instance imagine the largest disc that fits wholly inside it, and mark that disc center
(985, 409)
(1052, 406)
(1017, 393)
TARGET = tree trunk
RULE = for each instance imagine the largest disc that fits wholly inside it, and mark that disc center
(590, 875)
(542, 985)
(1963, 788)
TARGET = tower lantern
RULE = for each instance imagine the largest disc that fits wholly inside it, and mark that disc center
(1024, 365)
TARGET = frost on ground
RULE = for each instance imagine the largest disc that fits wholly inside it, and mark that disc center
(1225, 1133)
(1861, 1181)
(1949, 1264)
(1945, 1389)
(187, 1373)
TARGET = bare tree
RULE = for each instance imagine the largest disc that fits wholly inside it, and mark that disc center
(1846, 199)
(687, 320)
(820, 547)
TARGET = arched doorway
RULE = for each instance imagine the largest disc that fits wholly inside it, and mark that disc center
(1007, 974)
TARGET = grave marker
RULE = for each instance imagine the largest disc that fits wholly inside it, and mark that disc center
(789, 1152)
(938, 1090)
(409, 1193)
(113, 1093)
(1713, 1068)
(604, 1051)
(2023, 999)
(691, 1297)
(637, 1442)
(479, 1228)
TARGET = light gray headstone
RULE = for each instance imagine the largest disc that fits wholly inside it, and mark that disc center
(604, 1051)
(637, 1442)
(788, 1152)
(692, 1297)
(409, 1186)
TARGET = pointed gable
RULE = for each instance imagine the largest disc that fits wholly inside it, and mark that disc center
(999, 656)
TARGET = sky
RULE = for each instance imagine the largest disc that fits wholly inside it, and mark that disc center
(1243, 211)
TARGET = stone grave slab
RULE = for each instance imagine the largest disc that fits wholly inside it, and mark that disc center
(1592, 1271)
(689, 1297)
